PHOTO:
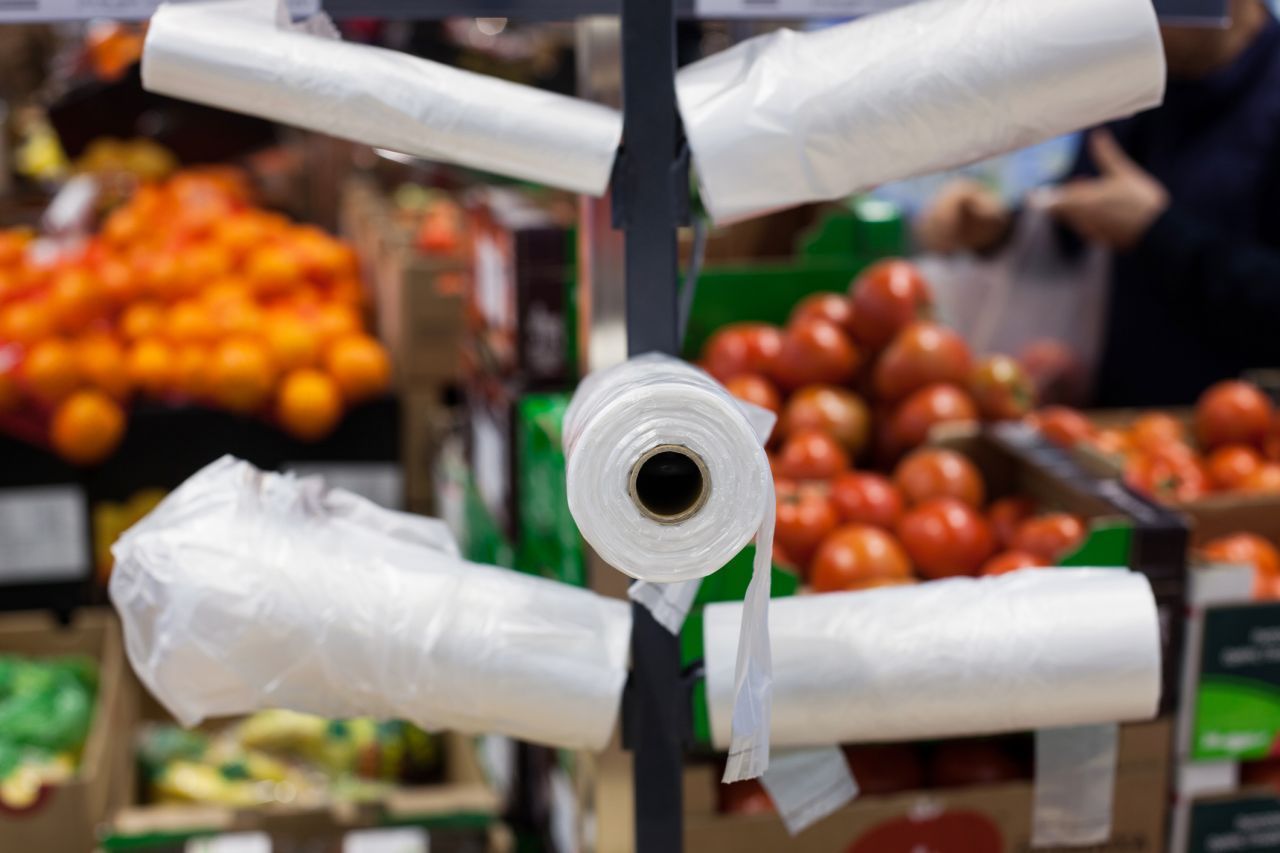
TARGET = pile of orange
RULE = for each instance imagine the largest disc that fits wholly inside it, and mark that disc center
(188, 293)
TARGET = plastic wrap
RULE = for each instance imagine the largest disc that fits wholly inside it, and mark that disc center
(789, 118)
(668, 480)
(1034, 649)
(244, 56)
(246, 590)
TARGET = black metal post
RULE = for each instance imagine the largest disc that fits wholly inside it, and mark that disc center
(650, 193)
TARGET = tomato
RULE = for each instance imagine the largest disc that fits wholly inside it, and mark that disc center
(1248, 549)
(929, 473)
(805, 517)
(911, 423)
(867, 499)
(1154, 430)
(1112, 442)
(1264, 481)
(1231, 465)
(857, 557)
(816, 352)
(835, 411)
(946, 537)
(961, 763)
(832, 307)
(1056, 371)
(742, 348)
(1232, 413)
(886, 298)
(1011, 561)
(755, 389)
(1170, 474)
(885, 768)
(1002, 389)
(1271, 445)
(933, 831)
(745, 798)
(1063, 426)
(922, 354)
(1050, 537)
(811, 455)
(1006, 516)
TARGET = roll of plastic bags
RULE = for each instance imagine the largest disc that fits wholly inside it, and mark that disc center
(244, 56)
(789, 118)
(668, 480)
(1035, 649)
(241, 592)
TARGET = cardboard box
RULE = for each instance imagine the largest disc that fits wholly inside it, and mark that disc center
(65, 818)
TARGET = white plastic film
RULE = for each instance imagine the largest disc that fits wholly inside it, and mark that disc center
(1075, 785)
(243, 56)
(624, 419)
(1034, 649)
(669, 603)
(789, 118)
(807, 785)
(247, 590)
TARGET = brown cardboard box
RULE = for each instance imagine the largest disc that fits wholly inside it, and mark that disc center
(66, 818)
(936, 821)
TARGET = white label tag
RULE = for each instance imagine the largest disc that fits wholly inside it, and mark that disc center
(380, 482)
(44, 533)
(239, 842)
(407, 839)
(12, 11)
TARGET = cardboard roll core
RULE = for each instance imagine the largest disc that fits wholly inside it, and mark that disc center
(670, 483)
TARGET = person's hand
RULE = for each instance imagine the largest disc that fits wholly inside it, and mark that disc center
(966, 216)
(1117, 208)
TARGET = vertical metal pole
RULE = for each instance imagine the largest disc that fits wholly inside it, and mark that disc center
(652, 187)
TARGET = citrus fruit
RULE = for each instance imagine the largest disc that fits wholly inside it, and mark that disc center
(150, 366)
(310, 404)
(240, 375)
(101, 361)
(293, 342)
(360, 366)
(87, 427)
(50, 371)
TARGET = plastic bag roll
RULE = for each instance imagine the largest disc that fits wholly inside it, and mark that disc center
(668, 480)
(245, 590)
(1035, 649)
(243, 56)
(789, 118)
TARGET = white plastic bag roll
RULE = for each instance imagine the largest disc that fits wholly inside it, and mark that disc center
(668, 480)
(1034, 649)
(789, 118)
(243, 56)
(245, 590)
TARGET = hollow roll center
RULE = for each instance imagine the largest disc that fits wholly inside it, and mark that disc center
(669, 483)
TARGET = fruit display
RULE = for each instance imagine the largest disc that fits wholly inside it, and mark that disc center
(46, 708)
(187, 294)
(1246, 549)
(283, 757)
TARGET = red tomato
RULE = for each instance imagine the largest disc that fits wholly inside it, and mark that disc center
(835, 411)
(885, 768)
(858, 557)
(927, 474)
(962, 763)
(745, 798)
(1271, 446)
(1050, 537)
(816, 352)
(946, 538)
(886, 298)
(922, 411)
(1231, 465)
(1264, 481)
(1011, 561)
(742, 348)
(1112, 442)
(950, 831)
(1245, 549)
(1170, 474)
(805, 517)
(811, 455)
(922, 354)
(1233, 413)
(867, 499)
(1006, 516)
(1062, 426)
(1155, 430)
(755, 389)
(832, 307)
(1002, 389)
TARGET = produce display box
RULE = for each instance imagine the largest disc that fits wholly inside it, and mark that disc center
(66, 817)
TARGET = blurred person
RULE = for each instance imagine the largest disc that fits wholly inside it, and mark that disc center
(1187, 198)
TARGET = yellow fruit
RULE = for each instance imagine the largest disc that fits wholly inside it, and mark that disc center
(310, 405)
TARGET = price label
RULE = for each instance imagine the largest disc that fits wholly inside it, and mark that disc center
(401, 840)
(45, 534)
(14, 11)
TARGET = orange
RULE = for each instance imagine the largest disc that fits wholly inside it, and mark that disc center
(87, 427)
(337, 321)
(293, 342)
(360, 366)
(310, 405)
(10, 392)
(238, 235)
(101, 361)
(273, 270)
(124, 226)
(76, 299)
(141, 320)
(348, 291)
(119, 284)
(202, 266)
(238, 319)
(240, 375)
(13, 245)
(150, 366)
(227, 291)
(191, 370)
(190, 322)
(51, 371)
(322, 256)
(164, 275)
(26, 322)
